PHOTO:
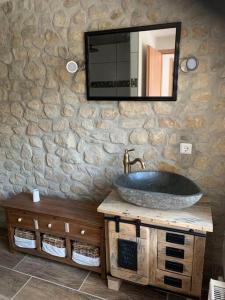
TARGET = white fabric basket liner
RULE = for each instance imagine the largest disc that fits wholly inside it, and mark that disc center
(85, 260)
(24, 243)
(60, 252)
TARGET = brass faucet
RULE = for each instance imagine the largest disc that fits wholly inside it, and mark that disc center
(127, 163)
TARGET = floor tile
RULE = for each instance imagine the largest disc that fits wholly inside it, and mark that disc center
(37, 289)
(10, 283)
(52, 271)
(96, 286)
(7, 258)
(175, 297)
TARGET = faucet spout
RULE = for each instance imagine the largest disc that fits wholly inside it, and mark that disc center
(133, 162)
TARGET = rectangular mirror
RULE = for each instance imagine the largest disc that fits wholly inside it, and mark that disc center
(138, 63)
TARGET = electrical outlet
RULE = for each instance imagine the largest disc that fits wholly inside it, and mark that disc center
(185, 148)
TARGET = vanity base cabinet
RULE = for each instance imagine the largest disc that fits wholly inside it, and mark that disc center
(67, 231)
(169, 258)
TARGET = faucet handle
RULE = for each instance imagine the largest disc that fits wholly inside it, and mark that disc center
(129, 150)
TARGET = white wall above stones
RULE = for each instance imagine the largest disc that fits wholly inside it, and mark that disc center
(52, 138)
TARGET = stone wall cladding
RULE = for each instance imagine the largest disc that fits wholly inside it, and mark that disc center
(52, 138)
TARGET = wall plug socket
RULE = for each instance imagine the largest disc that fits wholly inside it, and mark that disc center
(185, 148)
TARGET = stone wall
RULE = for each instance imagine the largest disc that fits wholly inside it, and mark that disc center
(52, 138)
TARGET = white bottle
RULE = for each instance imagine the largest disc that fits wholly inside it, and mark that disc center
(36, 195)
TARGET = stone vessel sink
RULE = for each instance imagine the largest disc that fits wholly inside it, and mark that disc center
(155, 189)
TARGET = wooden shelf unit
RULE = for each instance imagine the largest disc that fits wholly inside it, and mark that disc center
(68, 219)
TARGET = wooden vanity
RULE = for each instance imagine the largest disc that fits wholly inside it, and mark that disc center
(155, 247)
(67, 219)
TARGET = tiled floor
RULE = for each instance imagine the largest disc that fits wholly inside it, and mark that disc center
(24, 277)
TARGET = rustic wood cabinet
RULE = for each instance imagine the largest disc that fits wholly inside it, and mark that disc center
(168, 262)
(166, 247)
(67, 219)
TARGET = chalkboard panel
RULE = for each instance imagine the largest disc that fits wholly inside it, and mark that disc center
(127, 254)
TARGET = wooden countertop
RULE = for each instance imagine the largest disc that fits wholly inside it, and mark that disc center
(197, 217)
(55, 206)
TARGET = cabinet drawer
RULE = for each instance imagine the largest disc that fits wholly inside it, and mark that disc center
(173, 265)
(51, 224)
(173, 282)
(21, 219)
(85, 233)
(175, 238)
(175, 251)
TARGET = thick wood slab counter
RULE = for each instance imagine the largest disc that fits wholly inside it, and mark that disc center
(197, 217)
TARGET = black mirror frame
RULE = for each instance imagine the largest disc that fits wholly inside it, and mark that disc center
(176, 25)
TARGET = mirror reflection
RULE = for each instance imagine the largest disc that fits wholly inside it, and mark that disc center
(131, 64)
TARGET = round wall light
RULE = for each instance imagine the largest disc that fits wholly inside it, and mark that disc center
(189, 64)
(72, 66)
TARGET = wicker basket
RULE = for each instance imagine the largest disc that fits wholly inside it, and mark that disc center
(86, 249)
(54, 241)
(25, 234)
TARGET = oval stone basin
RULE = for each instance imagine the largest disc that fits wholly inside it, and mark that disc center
(156, 189)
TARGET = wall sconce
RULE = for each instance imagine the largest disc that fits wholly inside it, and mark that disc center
(72, 67)
(189, 64)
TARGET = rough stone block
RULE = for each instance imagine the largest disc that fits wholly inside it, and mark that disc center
(134, 109)
(139, 137)
(118, 136)
(51, 96)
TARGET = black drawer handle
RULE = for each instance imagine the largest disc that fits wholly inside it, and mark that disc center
(174, 266)
(175, 238)
(174, 252)
(173, 281)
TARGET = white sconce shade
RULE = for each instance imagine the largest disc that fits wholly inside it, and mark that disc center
(189, 63)
(72, 67)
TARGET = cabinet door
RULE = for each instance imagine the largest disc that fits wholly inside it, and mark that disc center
(129, 255)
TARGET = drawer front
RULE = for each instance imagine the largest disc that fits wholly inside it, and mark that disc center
(51, 224)
(85, 233)
(175, 266)
(175, 251)
(174, 238)
(21, 220)
(173, 282)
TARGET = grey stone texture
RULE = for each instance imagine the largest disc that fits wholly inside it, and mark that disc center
(166, 191)
(49, 131)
